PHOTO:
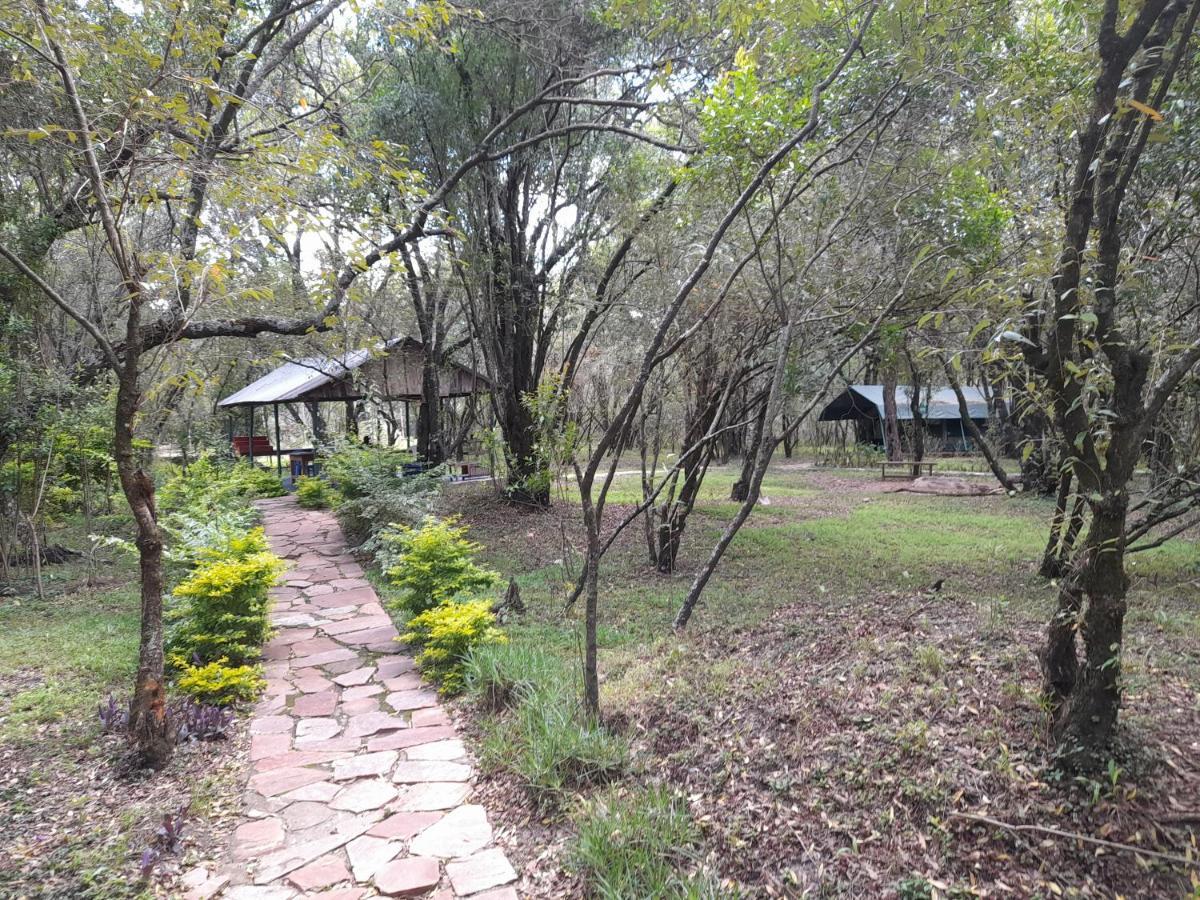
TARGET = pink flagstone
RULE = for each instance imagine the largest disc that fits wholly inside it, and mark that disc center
(461, 832)
(321, 873)
(372, 723)
(452, 749)
(322, 704)
(412, 737)
(403, 701)
(404, 825)
(280, 781)
(487, 869)
(433, 795)
(256, 837)
(406, 877)
(364, 795)
(364, 765)
(368, 854)
(417, 771)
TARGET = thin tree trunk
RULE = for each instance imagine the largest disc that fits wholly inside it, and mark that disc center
(763, 453)
(976, 435)
(1051, 557)
(148, 712)
(891, 425)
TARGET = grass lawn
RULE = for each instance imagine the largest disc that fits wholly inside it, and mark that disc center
(74, 818)
(829, 722)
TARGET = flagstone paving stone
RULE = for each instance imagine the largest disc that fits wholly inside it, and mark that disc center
(359, 785)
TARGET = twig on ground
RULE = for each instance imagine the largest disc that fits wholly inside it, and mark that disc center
(1070, 835)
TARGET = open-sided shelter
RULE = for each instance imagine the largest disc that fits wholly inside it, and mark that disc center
(390, 372)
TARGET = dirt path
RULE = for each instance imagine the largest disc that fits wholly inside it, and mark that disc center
(360, 786)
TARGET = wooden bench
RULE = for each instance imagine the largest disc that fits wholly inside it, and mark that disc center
(906, 469)
(261, 446)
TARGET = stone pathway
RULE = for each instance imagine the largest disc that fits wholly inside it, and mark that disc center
(360, 786)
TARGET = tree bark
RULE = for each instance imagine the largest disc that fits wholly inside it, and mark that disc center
(1050, 567)
(891, 425)
(1085, 695)
(148, 724)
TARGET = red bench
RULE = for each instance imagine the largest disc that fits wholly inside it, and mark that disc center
(261, 445)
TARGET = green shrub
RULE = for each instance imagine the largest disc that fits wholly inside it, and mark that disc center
(314, 493)
(360, 471)
(446, 634)
(209, 485)
(432, 564)
(222, 610)
(638, 845)
(220, 684)
(372, 494)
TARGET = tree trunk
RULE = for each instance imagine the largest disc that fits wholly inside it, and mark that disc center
(591, 592)
(1085, 696)
(1050, 567)
(528, 475)
(148, 710)
(964, 412)
(741, 488)
(429, 422)
(891, 425)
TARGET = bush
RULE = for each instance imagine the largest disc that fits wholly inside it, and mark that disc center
(432, 564)
(636, 845)
(314, 493)
(372, 494)
(631, 846)
(446, 634)
(223, 610)
(208, 485)
(221, 684)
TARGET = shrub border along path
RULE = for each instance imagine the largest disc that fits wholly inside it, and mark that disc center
(360, 786)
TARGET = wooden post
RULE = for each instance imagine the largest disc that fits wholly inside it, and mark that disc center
(278, 444)
(250, 436)
(407, 429)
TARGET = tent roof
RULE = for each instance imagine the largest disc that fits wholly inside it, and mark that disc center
(295, 380)
(859, 400)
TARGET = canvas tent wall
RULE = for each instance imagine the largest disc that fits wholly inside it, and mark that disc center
(863, 403)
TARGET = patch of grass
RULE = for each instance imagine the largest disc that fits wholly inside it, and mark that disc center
(543, 737)
(928, 661)
(61, 655)
(638, 845)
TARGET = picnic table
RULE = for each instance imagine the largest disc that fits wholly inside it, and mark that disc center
(907, 469)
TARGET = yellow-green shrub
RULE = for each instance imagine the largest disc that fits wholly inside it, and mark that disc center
(223, 610)
(446, 634)
(313, 493)
(433, 563)
(221, 684)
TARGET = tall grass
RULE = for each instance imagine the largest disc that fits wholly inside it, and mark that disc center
(639, 845)
(537, 729)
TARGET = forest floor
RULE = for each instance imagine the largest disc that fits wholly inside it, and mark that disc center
(74, 816)
(835, 725)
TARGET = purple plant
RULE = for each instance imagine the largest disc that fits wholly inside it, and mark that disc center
(149, 860)
(114, 716)
(198, 721)
(168, 834)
